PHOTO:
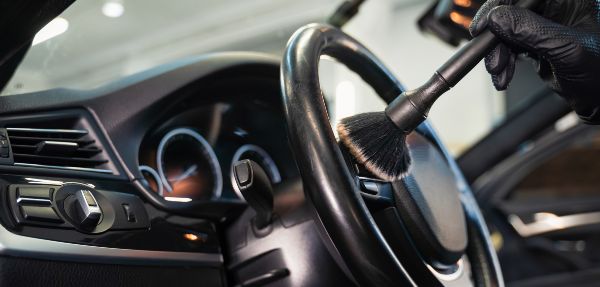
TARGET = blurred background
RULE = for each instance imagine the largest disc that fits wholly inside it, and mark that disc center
(95, 42)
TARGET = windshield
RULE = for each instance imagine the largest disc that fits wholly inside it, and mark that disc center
(96, 42)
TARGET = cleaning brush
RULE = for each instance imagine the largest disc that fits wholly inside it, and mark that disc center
(378, 140)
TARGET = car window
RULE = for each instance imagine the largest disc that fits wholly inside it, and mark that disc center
(96, 42)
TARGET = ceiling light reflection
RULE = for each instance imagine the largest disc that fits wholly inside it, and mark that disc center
(54, 28)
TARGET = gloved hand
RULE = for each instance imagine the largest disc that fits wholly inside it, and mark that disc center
(564, 40)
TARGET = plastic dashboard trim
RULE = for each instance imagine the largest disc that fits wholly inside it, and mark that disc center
(113, 121)
(16, 245)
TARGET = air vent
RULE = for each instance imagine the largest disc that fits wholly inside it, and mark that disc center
(71, 149)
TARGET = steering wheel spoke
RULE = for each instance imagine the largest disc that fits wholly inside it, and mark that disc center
(379, 198)
(376, 194)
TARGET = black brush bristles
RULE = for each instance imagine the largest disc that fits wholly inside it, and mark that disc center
(376, 143)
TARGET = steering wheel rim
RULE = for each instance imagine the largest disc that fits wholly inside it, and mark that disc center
(329, 184)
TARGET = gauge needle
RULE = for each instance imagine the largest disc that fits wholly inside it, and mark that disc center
(189, 171)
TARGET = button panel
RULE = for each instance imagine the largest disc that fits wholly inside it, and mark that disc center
(33, 204)
(76, 206)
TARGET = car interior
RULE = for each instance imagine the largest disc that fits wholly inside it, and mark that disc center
(193, 143)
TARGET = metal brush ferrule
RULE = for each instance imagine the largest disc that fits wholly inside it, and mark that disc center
(410, 109)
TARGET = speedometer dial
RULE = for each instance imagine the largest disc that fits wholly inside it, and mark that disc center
(188, 167)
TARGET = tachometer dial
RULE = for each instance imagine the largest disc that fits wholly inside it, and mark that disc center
(188, 167)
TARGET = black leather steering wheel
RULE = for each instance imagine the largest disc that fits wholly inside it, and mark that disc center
(373, 247)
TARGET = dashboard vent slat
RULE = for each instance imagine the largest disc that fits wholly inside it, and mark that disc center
(33, 140)
(57, 160)
(58, 148)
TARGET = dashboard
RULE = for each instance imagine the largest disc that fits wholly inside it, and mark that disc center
(137, 178)
(148, 161)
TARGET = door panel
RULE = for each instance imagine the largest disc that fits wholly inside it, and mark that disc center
(543, 205)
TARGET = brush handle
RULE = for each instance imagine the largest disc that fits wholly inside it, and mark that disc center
(410, 109)
(463, 61)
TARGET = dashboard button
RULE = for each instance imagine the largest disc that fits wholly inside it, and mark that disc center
(129, 213)
(35, 192)
(39, 213)
(4, 151)
(89, 214)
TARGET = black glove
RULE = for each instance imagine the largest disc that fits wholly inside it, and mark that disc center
(565, 42)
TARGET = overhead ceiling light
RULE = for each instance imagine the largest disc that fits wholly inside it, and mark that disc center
(54, 28)
(113, 9)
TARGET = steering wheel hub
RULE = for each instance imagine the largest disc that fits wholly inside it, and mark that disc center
(429, 205)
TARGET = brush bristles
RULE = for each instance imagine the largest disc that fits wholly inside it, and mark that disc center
(376, 143)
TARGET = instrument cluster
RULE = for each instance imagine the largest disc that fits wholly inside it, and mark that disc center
(186, 168)
(192, 160)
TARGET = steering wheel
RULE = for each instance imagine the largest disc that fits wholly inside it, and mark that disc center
(425, 230)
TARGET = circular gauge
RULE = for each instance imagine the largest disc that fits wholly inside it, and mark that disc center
(188, 167)
(152, 180)
(261, 157)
